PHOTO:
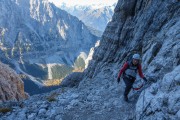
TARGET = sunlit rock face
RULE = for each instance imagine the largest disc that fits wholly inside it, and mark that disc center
(11, 86)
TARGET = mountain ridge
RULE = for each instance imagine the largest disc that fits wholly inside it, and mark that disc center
(35, 34)
(95, 16)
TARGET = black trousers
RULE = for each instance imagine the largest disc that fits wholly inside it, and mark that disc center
(129, 83)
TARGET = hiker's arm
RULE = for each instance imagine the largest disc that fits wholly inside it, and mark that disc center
(140, 71)
(123, 69)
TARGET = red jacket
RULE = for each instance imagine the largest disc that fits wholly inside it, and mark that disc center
(125, 66)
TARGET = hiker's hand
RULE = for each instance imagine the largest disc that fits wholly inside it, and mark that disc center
(118, 80)
(145, 79)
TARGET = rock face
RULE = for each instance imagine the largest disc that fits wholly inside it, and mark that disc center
(148, 27)
(72, 80)
(161, 100)
(11, 86)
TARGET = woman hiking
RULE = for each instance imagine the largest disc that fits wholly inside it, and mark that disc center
(129, 71)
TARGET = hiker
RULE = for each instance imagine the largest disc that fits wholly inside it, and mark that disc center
(129, 71)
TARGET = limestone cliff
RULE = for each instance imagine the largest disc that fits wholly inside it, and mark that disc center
(151, 28)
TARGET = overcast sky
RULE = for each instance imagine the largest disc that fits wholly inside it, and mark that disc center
(83, 2)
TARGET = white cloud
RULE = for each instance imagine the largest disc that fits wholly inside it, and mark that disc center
(83, 2)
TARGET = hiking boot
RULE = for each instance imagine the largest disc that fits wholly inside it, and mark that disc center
(126, 98)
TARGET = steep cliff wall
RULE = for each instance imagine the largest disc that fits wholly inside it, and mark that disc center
(150, 28)
(146, 26)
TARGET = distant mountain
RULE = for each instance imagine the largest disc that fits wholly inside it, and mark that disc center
(96, 16)
(40, 40)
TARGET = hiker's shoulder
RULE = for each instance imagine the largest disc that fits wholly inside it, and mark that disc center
(126, 63)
